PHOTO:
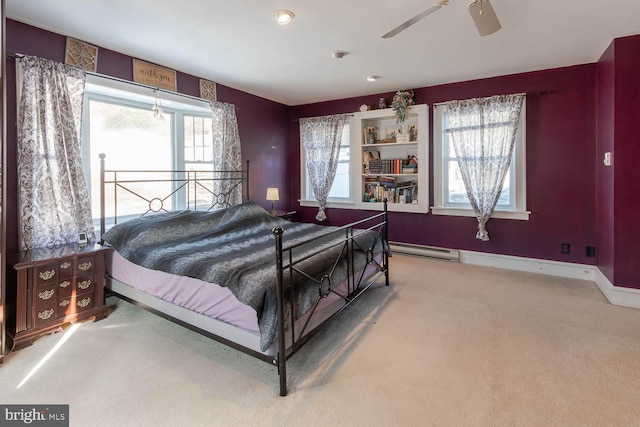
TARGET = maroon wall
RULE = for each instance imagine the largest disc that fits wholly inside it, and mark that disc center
(560, 168)
(262, 124)
(626, 162)
(604, 174)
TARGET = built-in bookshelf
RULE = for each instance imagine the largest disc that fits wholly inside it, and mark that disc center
(394, 159)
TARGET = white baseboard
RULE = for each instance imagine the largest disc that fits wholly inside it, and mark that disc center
(616, 295)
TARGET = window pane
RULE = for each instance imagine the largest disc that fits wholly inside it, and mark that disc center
(504, 199)
(198, 139)
(456, 190)
(458, 194)
(132, 139)
(340, 187)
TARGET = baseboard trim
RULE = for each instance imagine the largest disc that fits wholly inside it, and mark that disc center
(616, 295)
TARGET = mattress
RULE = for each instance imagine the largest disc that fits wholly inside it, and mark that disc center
(208, 306)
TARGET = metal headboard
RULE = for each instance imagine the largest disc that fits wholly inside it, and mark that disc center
(195, 190)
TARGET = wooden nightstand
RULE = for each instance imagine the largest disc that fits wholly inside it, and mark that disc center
(288, 215)
(56, 286)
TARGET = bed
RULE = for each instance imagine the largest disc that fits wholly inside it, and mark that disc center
(234, 272)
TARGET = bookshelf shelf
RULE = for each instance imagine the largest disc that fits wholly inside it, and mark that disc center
(392, 169)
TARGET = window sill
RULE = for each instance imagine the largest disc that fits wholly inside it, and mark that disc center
(346, 204)
(517, 215)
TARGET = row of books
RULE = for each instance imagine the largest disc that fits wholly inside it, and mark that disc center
(392, 166)
(387, 187)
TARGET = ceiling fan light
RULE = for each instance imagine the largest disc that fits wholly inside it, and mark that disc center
(484, 17)
(283, 17)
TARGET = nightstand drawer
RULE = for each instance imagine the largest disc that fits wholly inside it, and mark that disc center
(46, 274)
(65, 269)
(46, 314)
(84, 284)
(44, 295)
(85, 265)
(65, 288)
(83, 302)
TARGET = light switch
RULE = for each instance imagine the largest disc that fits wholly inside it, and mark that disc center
(607, 158)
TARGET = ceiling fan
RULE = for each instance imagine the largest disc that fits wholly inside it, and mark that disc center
(481, 11)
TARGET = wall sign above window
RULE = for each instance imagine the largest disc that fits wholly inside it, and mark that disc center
(154, 75)
(81, 54)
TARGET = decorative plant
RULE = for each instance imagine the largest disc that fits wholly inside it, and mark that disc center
(401, 101)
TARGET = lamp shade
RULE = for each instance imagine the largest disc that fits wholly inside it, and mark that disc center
(272, 193)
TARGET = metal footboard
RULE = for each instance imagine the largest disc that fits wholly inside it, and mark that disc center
(356, 283)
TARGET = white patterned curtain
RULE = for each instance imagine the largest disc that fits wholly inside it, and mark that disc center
(483, 133)
(227, 156)
(54, 204)
(321, 138)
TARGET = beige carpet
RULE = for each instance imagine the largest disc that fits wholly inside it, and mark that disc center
(445, 345)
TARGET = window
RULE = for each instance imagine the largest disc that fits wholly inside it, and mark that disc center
(450, 196)
(118, 121)
(341, 187)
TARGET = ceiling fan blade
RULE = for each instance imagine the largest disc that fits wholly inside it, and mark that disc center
(484, 17)
(416, 18)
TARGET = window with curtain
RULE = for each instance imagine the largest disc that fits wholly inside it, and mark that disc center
(450, 195)
(119, 121)
(321, 139)
(341, 187)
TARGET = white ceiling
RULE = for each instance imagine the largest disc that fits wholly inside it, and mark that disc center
(238, 44)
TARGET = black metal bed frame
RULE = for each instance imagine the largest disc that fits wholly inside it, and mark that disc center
(286, 263)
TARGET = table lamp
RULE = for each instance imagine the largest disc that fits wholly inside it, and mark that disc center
(272, 194)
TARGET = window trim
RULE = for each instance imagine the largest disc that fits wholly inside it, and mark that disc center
(519, 213)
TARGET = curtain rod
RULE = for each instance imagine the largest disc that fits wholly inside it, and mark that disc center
(541, 92)
(118, 79)
(346, 114)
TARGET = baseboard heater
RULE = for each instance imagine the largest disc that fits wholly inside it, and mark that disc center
(443, 254)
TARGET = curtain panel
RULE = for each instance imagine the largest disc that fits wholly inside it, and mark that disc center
(483, 133)
(321, 138)
(54, 205)
(227, 155)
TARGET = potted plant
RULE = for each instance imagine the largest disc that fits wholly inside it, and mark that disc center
(402, 100)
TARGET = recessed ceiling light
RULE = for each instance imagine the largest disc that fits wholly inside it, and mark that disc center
(283, 17)
(372, 78)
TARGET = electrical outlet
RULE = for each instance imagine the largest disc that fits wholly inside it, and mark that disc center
(565, 248)
(591, 251)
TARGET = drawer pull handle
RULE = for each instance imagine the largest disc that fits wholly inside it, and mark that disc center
(46, 294)
(85, 266)
(84, 302)
(64, 303)
(46, 275)
(65, 284)
(65, 265)
(84, 284)
(44, 315)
